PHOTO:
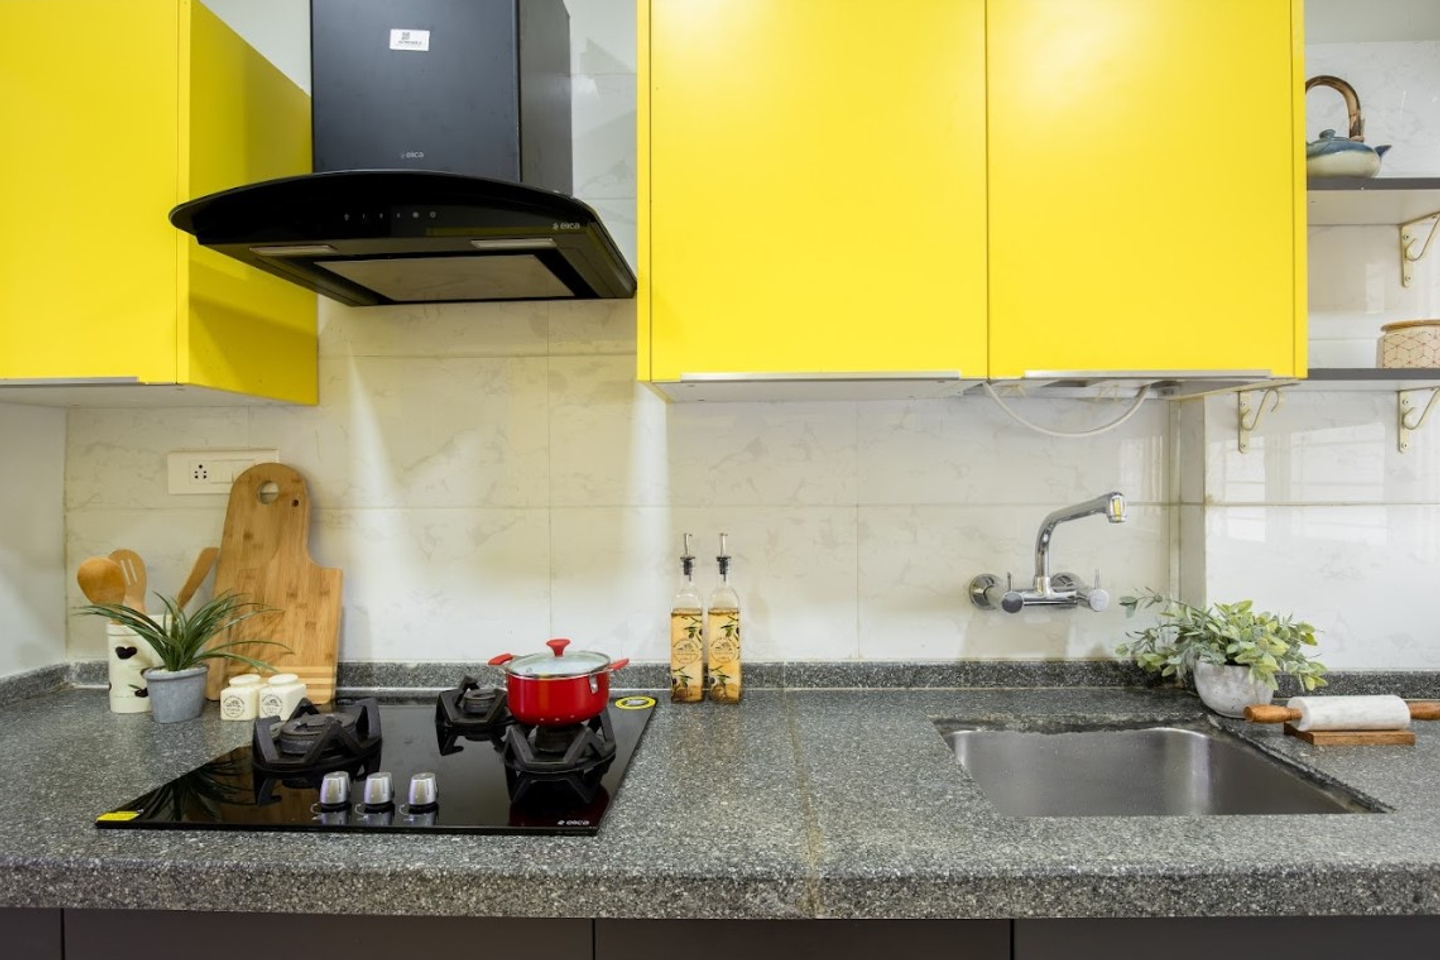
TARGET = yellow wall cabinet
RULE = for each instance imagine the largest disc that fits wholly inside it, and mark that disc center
(1147, 186)
(1011, 188)
(812, 189)
(114, 112)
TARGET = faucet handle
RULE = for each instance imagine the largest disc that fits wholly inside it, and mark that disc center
(1096, 598)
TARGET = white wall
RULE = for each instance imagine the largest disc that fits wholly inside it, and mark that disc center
(32, 537)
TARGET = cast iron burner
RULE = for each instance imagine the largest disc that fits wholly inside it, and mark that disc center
(470, 712)
(551, 761)
(311, 742)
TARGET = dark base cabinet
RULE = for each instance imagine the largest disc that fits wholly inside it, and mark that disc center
(804, 939)
(32, 934)
(1206, 938)
(179, 935)
(182, 935)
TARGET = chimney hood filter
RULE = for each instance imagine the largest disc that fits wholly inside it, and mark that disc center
(442, 164)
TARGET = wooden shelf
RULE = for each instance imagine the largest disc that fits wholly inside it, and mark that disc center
(1372, 201)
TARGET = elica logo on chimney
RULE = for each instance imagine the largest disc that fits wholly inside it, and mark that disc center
(410, 40)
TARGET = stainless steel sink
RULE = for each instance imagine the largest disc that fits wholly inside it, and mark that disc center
(1152, 771)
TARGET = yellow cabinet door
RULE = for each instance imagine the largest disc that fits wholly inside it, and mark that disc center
(1146, 174)
(812, 187)
(117, 112)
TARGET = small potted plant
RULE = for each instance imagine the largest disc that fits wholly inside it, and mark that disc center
(179, 639)
(1235, 652)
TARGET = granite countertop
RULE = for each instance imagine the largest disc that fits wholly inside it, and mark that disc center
(832, 803)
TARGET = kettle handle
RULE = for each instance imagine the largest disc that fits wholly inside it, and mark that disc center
(1352, 102)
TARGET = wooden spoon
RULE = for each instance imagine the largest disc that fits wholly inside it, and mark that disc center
(198, 573)
(101, 580)
(133, 569)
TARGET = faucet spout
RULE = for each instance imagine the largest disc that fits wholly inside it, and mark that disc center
(1112, 505)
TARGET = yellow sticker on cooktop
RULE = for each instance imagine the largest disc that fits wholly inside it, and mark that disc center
(118, 815)
(635, 703)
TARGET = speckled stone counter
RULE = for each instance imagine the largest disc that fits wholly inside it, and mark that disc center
(833, 803)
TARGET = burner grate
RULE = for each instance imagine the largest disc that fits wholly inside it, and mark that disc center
(311, 742)
(544, 760)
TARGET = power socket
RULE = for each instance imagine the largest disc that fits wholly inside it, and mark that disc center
(211, 471)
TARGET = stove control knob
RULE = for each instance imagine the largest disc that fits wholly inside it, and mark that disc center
(424, 793)
(335, 791)
(379, 792)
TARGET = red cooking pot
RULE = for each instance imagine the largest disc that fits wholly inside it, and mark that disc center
(558, 690)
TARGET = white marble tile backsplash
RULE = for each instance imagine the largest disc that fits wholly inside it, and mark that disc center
(33, 570)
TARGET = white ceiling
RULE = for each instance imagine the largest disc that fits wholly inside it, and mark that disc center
(1360, 21)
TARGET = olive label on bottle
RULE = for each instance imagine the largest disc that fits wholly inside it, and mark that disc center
(687, 668)
(724, 668)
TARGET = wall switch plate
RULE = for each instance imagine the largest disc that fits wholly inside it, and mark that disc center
(212, 471)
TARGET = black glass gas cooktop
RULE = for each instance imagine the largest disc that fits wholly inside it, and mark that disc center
(459, 764)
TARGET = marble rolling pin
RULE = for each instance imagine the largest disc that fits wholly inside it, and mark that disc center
(1374, 719)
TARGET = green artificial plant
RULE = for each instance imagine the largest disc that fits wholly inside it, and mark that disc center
(179, 639)
(1222, 633)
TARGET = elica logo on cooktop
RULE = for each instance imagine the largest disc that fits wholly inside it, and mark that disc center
(564, 225)
(413, 155)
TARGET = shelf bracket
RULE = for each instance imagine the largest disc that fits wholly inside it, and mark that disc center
(1250, 413)
(1410, 240)
(1407, 404)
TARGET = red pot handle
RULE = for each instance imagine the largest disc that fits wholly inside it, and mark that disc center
(502, 659)
(619, 663)
(558, 645)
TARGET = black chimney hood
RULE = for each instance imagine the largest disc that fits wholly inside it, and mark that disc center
(442, 158)
(370, 237)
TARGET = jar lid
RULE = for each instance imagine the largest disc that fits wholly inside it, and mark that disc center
(1407, 324)
(559, 664)
(246, 680)
(284, 680)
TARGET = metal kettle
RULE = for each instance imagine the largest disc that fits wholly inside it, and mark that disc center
(1351, 156)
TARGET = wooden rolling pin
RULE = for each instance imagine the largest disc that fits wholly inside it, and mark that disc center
(1346, 713)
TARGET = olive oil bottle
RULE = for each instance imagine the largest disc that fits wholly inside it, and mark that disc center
(722, 634)
(687, 639)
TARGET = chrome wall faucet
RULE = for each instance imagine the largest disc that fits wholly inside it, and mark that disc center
(1063, 589)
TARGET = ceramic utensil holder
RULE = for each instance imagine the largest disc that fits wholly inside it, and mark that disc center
(128, 656)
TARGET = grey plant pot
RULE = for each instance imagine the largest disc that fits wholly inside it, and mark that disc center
(176, 696)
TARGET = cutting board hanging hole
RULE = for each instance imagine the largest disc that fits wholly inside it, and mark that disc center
(269, 492)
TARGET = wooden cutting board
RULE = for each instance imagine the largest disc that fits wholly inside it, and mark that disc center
(265, 556)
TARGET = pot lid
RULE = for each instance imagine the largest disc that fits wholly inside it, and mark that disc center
(558, 664)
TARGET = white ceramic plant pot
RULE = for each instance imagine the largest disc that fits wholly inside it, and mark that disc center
(1228, 689)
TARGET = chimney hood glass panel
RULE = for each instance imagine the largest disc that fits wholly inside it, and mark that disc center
(432, 279)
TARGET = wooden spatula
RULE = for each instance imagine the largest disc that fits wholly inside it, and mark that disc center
(101, 580)
(133, 569)
(198, 573)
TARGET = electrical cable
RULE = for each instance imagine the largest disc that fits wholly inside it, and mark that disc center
(1096, 431)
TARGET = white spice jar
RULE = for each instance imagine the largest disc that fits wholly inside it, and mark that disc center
(280, 695)
(241, 699)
